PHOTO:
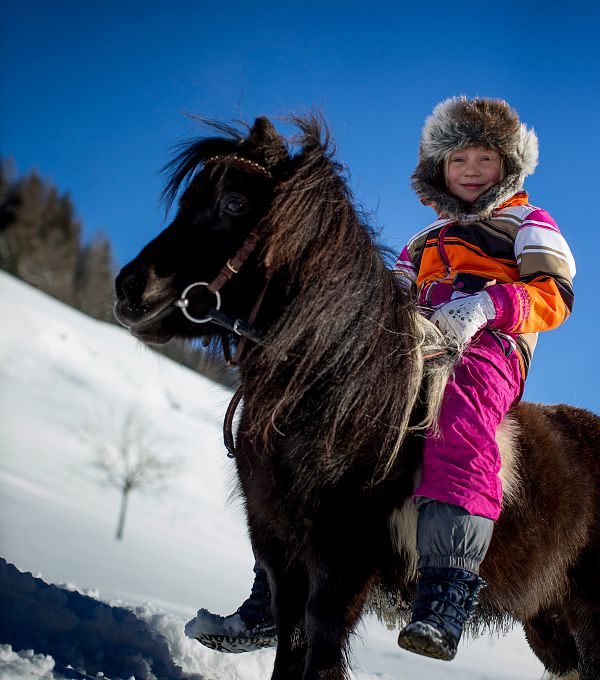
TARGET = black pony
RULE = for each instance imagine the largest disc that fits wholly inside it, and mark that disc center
(340, 377)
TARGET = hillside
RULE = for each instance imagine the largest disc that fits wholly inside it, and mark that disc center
(64, 375)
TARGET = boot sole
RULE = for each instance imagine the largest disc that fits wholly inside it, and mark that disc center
(236, 645)
(419, 643)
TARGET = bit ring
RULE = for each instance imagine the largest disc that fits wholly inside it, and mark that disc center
(183, 302)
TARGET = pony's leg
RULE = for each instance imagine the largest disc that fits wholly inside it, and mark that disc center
(289, 589)
(551, 641)
(583, 613)
(587, 640)
(333, 608)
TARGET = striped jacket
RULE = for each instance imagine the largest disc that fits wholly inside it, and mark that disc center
(519, 256)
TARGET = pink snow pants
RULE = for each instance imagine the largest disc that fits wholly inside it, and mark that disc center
(461, 462)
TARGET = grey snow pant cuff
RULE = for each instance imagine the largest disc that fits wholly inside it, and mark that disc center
(448, 536)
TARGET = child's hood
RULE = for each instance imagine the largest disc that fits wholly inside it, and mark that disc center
(457, 123)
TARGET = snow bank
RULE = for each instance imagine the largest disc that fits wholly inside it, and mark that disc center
(79, 631)
(25, 665)
(69, 634)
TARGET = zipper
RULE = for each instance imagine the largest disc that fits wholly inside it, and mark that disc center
(445, 260)
(442, 250)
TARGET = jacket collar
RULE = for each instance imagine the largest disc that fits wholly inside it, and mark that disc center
(481, 209)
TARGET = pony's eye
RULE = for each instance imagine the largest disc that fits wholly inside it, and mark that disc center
(235, 206)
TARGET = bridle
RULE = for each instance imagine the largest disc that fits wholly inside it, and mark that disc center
(244, 329)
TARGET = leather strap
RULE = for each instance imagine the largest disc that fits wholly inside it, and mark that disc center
(233, 265)
(235, 360)
(228, 438)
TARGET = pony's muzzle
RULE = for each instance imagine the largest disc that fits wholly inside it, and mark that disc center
(131, 285)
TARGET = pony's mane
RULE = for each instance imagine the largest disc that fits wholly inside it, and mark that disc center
(353, 336)
(355, 340)
(190, 156)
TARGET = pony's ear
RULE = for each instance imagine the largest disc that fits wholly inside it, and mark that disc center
(269, 144)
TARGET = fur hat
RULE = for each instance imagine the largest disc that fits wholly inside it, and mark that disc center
(458, 123)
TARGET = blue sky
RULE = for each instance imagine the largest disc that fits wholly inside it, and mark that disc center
(94, 96)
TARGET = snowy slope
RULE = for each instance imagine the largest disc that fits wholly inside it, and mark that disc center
(61, 371)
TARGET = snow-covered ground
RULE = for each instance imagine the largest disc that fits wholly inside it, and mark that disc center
(63, 374)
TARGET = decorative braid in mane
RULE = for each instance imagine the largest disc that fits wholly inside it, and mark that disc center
(354, 338)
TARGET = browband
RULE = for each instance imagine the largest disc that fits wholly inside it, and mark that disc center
(238, 160)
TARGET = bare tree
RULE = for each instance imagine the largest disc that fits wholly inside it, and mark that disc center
(127, 458)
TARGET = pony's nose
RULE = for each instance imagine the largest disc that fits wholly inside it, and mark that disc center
(131, 285)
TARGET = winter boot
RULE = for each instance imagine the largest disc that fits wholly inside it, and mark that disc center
(250, 628)
(446, 597)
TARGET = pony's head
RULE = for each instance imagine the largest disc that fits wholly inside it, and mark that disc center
(341, 337)
(226, 186)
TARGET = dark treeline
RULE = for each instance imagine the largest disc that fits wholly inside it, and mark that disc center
(41, 243)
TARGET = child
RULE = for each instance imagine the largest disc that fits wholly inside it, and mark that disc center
(493, 270)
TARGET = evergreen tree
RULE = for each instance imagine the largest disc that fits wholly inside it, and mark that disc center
(7, 247)
(59, 243)
(6, 177)
(20, 218)
(39, 236)
(94, 278)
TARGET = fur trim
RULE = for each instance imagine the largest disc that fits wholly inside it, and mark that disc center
(457, 123)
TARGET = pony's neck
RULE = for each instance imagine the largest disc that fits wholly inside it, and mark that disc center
(351, 334)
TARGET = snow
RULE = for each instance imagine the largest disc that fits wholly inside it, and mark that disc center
(209, 622)
(77, 603)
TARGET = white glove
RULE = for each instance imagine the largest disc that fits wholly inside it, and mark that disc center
(465, 316)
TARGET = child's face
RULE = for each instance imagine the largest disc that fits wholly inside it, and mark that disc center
(473, 171)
